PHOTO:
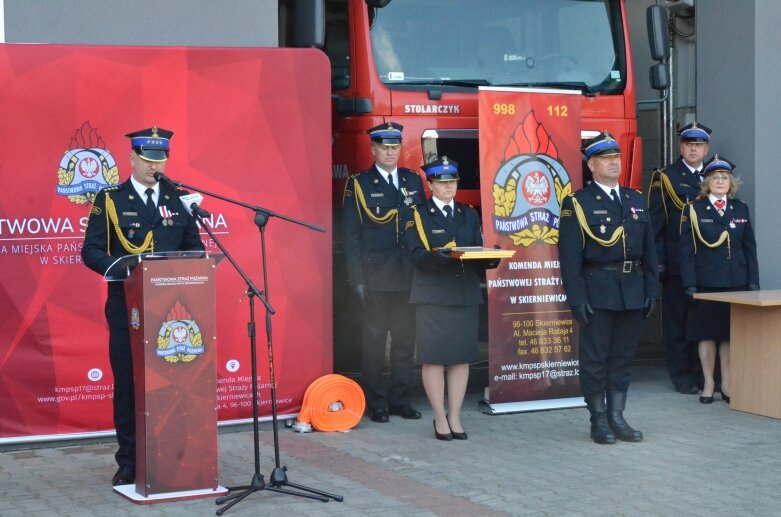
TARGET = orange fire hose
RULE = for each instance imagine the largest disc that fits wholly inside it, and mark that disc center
(332, 403)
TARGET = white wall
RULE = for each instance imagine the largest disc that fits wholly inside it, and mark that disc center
(231, 23)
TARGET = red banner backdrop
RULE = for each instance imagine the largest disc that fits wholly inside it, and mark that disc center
(250, 124)
(529, 161)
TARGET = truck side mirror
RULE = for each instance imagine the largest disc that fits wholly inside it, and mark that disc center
(308, 29)
(660, 76)
(658, 35)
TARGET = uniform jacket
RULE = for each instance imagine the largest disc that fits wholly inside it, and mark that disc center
(102, 245)
(579, 253)
(666, 216)
(442, 280)
(376, 253)
(733, 265)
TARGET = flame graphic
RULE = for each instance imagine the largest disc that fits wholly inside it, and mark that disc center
(178, 312)
(86, 137)
(530, 138)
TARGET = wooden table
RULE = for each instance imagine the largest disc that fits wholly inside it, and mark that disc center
(755, 350)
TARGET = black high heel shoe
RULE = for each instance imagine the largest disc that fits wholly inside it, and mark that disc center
(724, 397)
(456, 436)
(445, 437)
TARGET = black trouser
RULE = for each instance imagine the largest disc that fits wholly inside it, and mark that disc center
(122, 368)
(607, 348)
(387, 311)
(683, 363)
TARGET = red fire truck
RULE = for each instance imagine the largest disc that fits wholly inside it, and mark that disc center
(420, 63)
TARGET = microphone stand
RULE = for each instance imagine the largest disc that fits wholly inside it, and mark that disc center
(278, 481)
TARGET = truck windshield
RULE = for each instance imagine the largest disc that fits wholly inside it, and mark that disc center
(562, 43)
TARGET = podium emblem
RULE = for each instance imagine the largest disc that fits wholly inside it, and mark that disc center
(179, 338)
(135, 318)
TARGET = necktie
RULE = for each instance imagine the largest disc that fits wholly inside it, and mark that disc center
(448, 213)
(719, 204)
(150, 203)
(614, 195)
(390, 181)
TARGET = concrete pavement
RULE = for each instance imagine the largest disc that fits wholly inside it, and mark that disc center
(696, 460)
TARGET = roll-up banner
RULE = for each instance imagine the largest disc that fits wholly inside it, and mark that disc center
(249, 124)
(529, 161)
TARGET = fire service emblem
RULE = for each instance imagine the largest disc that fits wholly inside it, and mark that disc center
(179, 338)
(86, 167)
(529, 186)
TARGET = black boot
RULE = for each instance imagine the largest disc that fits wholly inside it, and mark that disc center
(616, 401)
(600, 430)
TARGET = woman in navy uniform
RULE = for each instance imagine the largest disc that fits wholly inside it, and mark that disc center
(671, 188)
(609, 270)
(446, 294)
(718, 253)
(138, 216)
(376, 204)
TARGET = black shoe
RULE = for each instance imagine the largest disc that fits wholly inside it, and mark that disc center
(706, 400)
(445, 437)
(456, 436)
(124, 476)
(405, 412)
(600, 430)
(379, 415)
(687, 390)
(621, 429)
(724, 397)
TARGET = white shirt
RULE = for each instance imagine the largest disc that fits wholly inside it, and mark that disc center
(608, 189)
(141, 189)
(392, 174)
(441, 205)
(713, 200)
(696, 171)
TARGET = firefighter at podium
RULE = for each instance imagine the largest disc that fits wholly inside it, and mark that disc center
(137, 216)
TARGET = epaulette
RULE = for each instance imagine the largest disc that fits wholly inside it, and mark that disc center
(111, 188)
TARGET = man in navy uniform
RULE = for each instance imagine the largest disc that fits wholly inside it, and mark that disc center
(608, 265)
(138, 216)
(671, 188)
(377, 203)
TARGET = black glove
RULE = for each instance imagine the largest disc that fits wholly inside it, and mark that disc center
(581, 313)
(361, 292)
(441, 256)
(753, 287)
(689, 292)
(650, 303)
(493, 264)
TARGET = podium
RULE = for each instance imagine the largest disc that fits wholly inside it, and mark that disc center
(171, 312)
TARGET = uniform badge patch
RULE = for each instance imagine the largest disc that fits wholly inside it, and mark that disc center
(135, 318)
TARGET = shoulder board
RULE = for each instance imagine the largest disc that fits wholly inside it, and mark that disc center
(111, 188)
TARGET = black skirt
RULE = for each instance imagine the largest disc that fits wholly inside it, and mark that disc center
(707, 320)
(446, 334)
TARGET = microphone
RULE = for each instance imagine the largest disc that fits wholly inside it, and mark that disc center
(165, 180)
(192, 204)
